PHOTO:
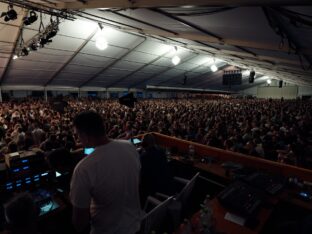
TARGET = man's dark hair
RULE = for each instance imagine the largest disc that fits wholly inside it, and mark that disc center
(90, 123)
(149, 140)
(21, 211)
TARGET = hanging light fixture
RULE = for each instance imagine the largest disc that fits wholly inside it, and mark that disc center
(176, 59)
(100, 41)
(10, 14)
(213, 68)
(28, 20)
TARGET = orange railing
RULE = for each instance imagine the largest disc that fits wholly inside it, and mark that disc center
(223, 155)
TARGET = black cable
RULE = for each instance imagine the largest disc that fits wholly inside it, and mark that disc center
(41, 26)
(203, 12)
(297, 13)
(292, 16)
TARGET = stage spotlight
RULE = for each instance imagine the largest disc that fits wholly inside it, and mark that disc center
(52, 33)
(213, 68)
(34, 46)
(176, 60)
(25, 51)
(10, 14)
(43, 41)
(31, 18)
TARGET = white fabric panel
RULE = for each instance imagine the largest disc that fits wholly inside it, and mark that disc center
(113, 73)
(21, 74)
(139, 57)
(65, 43)
(287, 92)
(26, 81)
(172, 72)
(166, 62)
(70, 83)
(23, 63)
(91, 60)
(48, 55)
(28, 34)
(70, 76)
(153, 69)
(186, 66)
(81, 69)
(128, 66)
(137, 77)
(305, 91)
(154, 47)
(111, 51)
(78, 28)
(118, 38)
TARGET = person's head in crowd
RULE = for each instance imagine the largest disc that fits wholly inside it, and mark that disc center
(90, 128)
(148, 141)
(12, 147)
(21, 214)
(60, 160)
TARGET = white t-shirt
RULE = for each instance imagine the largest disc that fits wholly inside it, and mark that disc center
(107, 182)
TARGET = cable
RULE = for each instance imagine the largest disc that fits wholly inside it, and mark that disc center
(202, 12)
(297, 13)
(294, 17)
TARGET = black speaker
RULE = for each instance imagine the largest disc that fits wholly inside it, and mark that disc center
(280, 84)
(252, 76)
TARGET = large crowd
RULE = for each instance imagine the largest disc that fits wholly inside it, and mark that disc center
(279, 130)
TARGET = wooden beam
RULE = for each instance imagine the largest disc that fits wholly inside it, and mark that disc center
(175, 3)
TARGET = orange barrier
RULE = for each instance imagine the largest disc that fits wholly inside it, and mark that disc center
(223, 155)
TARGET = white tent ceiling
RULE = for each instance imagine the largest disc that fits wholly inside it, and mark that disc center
(141, 39)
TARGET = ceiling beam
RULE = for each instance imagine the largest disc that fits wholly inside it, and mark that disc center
(174, 3)
(111, 64)
(210, 39)
(71, 57)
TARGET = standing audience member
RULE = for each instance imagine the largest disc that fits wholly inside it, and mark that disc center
(105, 185)
(155, 173)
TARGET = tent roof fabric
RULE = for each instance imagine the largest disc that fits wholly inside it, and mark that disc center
(274, 41)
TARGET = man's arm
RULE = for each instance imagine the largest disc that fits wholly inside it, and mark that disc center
(80, 218)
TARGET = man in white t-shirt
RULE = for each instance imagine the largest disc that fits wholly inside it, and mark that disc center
(105, 185)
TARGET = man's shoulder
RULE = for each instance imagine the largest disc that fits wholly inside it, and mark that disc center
(117, 143)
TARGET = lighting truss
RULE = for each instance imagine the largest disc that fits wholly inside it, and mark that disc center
(60, 13)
